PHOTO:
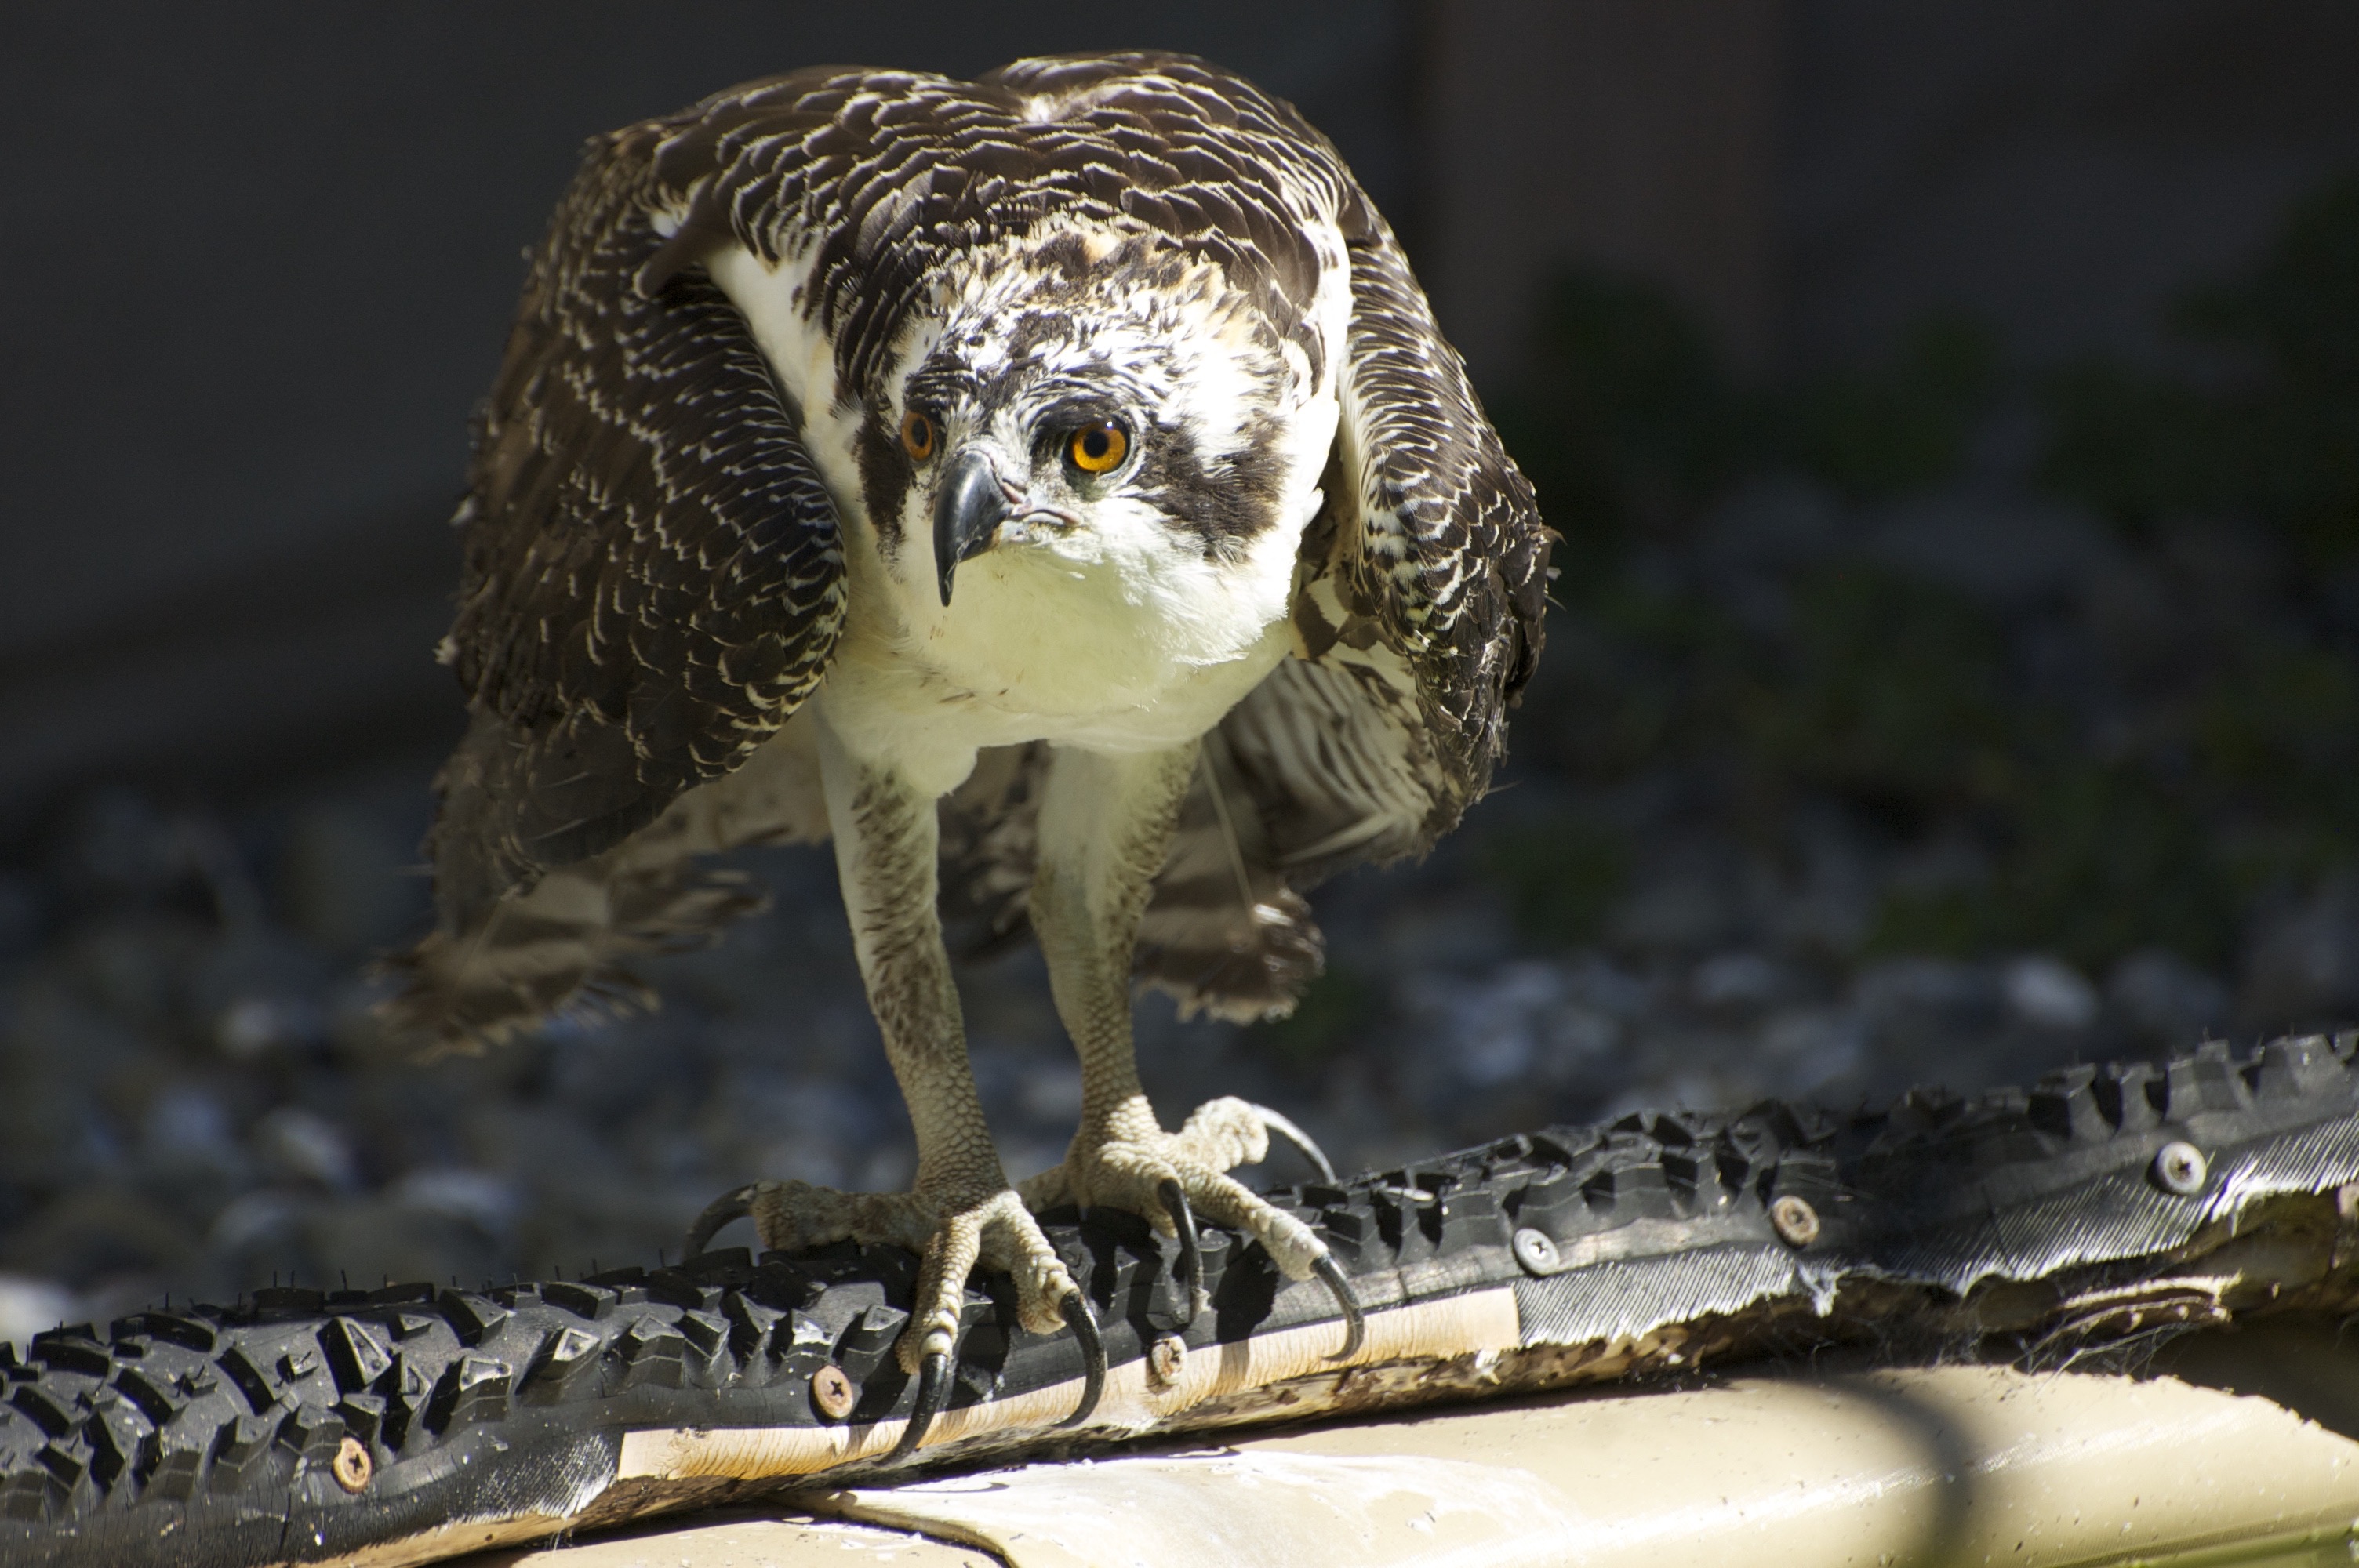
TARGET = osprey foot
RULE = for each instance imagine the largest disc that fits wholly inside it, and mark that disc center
(1170, 1178)
(952, 1231)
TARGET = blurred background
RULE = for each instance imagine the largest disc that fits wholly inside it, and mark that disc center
(1951, 411)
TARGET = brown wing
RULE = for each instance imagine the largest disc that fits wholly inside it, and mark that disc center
(1420, 596)
(654, 576)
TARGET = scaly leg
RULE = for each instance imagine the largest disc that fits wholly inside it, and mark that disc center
(1105, 830)
(959, 1210)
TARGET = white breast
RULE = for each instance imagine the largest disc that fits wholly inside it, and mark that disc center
(1124, 638)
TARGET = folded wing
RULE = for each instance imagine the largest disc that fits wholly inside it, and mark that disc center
(654, 574)
(1419, 611)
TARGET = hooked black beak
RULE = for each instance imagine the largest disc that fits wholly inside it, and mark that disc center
(968, 511)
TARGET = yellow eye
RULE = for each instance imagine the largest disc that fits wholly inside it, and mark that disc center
(1098, 449)
(917, 435)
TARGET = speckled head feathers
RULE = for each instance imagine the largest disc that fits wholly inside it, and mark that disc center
(890, 174)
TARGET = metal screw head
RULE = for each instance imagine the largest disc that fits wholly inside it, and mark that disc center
(1794, 1220)
(1166, 1360)
(832, 1393)
(1536, 1251)
(2181, 1168)
(352, 1467)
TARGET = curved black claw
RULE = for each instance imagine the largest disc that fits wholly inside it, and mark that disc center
(1355, 1327)
(1078, 1317)
(1283, 1125)
(1191, 1255)
(718, 1213)
(933, 1394)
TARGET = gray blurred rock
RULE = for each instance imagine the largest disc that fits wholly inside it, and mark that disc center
(1051, 1091)
(116, 848)
(1758, 538)
(186, 1126)
(1827, 910)
(255, 1220)
(1773, 524)
(2167, 1001)
(2048, 993)
(1690, 906)
(28, 1305)
(1742, 982)
(305, 1145)
(1924, 1003)
(129, 967)
(1813, 1048)
(92, 1235)
(2303, 965)
(1949, 861)
(489, 1203)
(1453, 931)
(366, 1242)
(2011, 551)
(1529, 1022)
(253, 1026)
(1593, 981)
(1487, 1028)
(349, 876)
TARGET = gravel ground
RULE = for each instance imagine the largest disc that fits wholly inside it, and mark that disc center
(194, 1100)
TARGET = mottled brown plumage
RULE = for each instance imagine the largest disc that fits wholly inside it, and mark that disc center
(787, 361)
(653, 573)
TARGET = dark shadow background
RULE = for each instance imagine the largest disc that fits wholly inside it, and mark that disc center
(1952, 411)
(261, 260)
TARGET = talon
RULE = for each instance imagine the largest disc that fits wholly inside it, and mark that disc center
(1355, 1327)
(1075, 1310)
(933, 1394)
(1283, 1125)
(720, 1211)
(1191, 1255)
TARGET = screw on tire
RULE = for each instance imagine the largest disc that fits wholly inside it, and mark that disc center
(832, 1393)
(352, 1467)
(1536, 1251)
(1795, 1221)
(1166, 1359)
(2181, 1169)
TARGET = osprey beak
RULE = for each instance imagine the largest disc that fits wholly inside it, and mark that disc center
(968, 511)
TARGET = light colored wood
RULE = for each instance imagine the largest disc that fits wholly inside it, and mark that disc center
(1960, 1464)
(748, 1541)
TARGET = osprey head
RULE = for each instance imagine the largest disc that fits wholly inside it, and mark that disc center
(1090, 405)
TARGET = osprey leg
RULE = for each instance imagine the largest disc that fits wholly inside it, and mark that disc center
(1106, 822)
(959, 1210)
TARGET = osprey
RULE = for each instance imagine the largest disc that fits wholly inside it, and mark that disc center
(1051, 487)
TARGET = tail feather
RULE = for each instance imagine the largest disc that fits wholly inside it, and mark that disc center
(559, 945)
(560, 950)
(1225, 933)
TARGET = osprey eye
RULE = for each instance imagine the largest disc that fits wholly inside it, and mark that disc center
(1098, 449)
(917, 435)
